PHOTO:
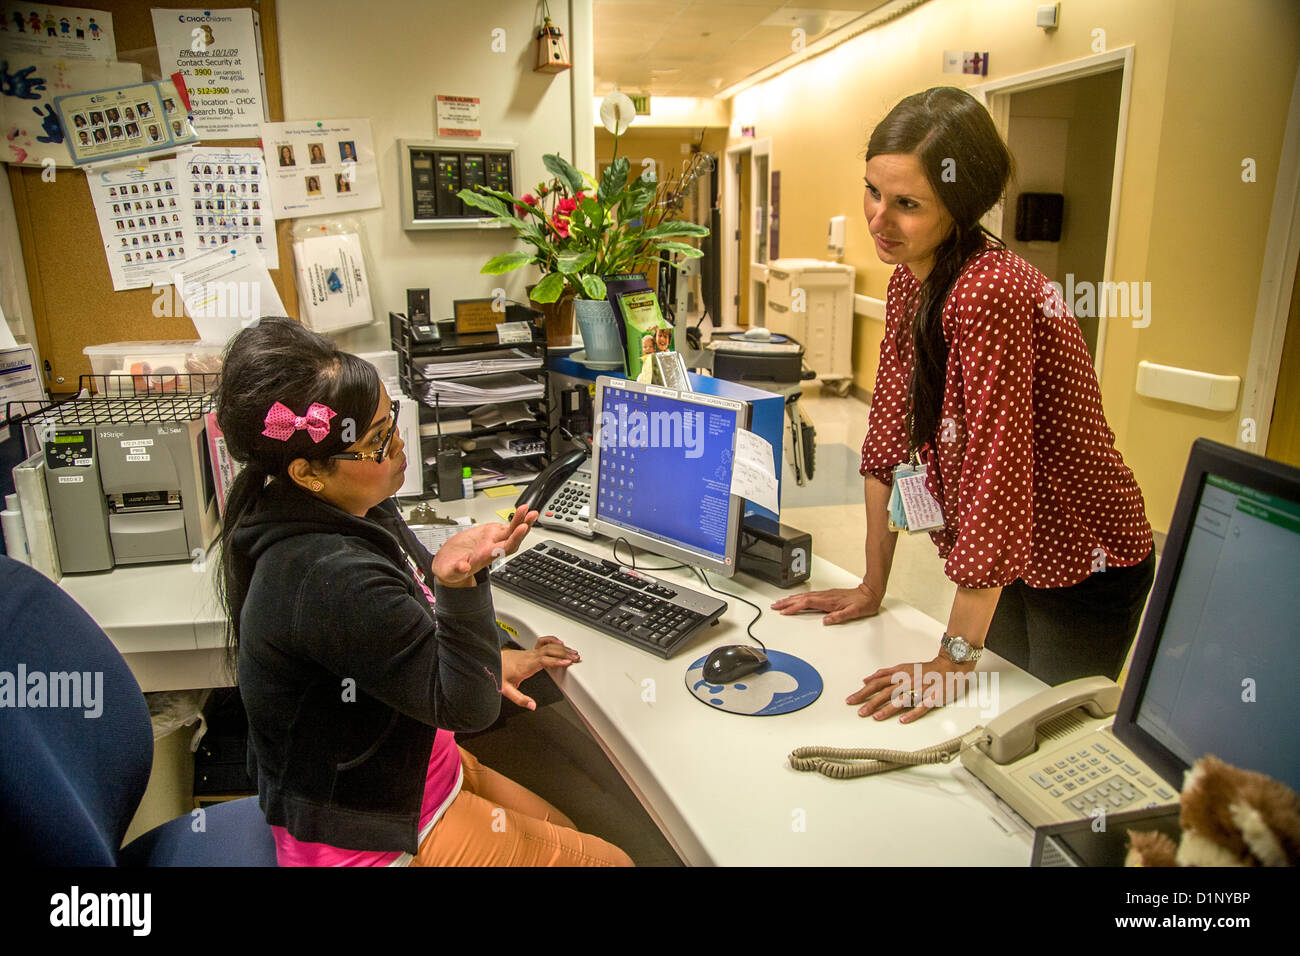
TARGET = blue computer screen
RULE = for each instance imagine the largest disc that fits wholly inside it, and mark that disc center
(665, 468)
(1224, 676)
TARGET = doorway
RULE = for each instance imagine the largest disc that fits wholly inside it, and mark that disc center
(1065, 126)
(747, 223)
(1284, 430)
(1063, 139)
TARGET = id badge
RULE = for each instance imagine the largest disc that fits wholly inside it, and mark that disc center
(912, 502)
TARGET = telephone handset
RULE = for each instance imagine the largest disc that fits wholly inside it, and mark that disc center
(1014, 734)
(1043, 757)
(562, 495)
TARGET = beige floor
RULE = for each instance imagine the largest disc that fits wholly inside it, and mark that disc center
(839, 532)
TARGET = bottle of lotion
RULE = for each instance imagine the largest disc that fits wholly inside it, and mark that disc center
(15, 535)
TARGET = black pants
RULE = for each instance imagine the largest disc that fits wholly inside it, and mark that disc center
(1059, 634)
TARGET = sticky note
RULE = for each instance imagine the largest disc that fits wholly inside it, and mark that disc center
(501, 491)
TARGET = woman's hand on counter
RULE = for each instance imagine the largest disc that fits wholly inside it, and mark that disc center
(911, 690)
(844, 604)
(471, 550)
(518, 666)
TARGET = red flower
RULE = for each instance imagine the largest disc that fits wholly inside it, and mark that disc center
(524, 210)
(563, 212)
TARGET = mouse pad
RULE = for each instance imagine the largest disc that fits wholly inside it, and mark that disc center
(787, 684)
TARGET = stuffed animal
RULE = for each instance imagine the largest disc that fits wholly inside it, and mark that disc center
(1229, 817)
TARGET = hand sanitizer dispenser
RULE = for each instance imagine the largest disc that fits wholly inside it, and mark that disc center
(835, 238)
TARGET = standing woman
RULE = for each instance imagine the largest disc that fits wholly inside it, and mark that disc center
(359, 653)
(985, 380)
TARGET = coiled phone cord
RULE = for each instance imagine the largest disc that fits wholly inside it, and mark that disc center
(839, 762)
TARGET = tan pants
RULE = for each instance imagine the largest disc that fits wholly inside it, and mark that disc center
(496, 822)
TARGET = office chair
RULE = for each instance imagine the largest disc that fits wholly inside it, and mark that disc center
(72, 775)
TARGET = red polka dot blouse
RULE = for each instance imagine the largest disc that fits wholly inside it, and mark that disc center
(1025, 466)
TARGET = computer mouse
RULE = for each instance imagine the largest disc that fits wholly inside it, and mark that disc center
(757, 334)
(731, 662)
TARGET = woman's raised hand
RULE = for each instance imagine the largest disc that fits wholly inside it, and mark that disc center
(844, 604)
(471, 550)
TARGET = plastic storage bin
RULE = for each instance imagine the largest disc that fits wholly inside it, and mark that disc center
(139, 367)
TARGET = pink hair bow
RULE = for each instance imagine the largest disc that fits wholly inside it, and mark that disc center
(281, 422)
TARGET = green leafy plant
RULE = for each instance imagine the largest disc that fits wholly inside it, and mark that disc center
(577, 237)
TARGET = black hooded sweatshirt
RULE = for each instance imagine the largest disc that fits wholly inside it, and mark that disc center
(346, 671)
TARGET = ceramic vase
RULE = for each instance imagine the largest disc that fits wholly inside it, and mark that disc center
(599, 330)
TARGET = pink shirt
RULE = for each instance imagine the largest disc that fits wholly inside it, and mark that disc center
(441, 786)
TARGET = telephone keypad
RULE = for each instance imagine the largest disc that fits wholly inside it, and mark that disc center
(1081, 781)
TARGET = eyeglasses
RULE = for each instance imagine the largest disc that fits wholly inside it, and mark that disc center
(376, 456)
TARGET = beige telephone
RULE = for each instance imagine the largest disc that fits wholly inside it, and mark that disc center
(1051, 758)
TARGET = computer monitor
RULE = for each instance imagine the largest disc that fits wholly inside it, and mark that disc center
(661, 471)
(1217, 662)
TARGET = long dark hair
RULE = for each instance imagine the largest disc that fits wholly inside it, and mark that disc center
(278, 360)
(968, 166)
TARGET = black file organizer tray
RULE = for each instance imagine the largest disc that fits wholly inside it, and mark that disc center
(416, 385)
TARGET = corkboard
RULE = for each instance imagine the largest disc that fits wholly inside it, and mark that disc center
(73, 302)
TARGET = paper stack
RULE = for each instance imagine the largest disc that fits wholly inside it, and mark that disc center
(478, 363)
(501, 387)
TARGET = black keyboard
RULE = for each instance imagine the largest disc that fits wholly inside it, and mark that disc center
(651, 614)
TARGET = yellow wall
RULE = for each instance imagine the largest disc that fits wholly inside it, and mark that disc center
(1211, 85)
(663, 146)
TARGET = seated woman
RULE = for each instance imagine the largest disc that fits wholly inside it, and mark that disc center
(359, 654)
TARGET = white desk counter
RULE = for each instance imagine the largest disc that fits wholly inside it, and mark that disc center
(719, 785)
(164, 618)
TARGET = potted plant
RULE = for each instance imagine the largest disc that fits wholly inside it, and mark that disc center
(580, 230)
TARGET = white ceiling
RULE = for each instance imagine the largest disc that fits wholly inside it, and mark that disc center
(698, 47)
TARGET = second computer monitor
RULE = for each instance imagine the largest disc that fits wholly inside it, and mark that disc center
(661, 471)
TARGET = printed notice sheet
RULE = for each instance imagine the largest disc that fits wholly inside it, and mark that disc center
(218, 53)
(225, 195)
(64, 33)
(753, 473)
(320, 166)
(227, 288)
(141, 222)
(457, 116)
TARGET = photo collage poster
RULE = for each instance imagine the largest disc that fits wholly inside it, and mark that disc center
(320, 166)
(123, 122)
(225, 193)
(142, 222)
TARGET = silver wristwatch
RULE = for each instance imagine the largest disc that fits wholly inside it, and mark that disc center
(959, 650)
